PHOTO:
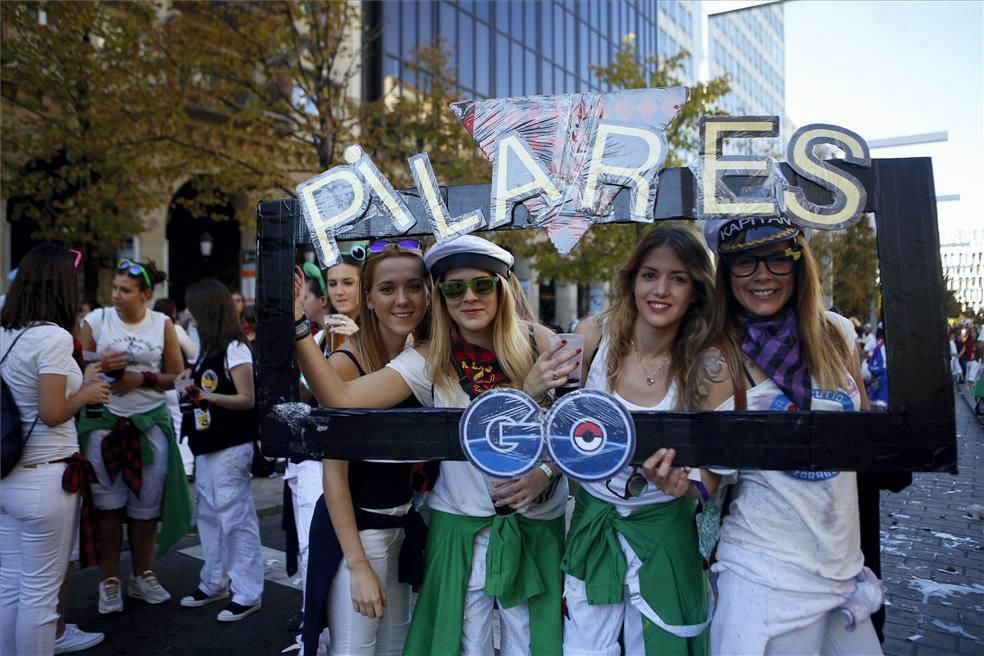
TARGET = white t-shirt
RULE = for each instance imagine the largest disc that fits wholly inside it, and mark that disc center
(143, 343)
(461, 488)
(237, 354)
(808, 518)
(44, 349)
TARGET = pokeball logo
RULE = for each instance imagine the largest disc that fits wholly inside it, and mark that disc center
(588, 436)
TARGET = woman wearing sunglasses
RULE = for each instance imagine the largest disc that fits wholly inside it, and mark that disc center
(38, 514)
(790, 573)
(132, 444)
(484, 544)
(330, 324)
(355, 585)
(632, 562)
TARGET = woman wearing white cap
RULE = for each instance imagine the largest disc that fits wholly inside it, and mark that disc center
(632, 562)
(790, 573)
(474, 554)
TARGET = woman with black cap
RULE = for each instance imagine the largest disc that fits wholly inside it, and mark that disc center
(475, 555)
(790, 572)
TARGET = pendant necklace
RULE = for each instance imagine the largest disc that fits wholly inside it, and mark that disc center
(660, 368)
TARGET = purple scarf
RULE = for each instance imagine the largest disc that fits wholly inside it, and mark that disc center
(773, 344)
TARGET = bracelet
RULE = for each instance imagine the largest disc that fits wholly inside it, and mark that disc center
(149, 379)
(704, 494)
(545, 468)
(356, 562)
(302, 321)
(302, 329)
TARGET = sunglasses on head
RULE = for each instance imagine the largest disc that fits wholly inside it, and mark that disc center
(634, 486)
(77, 254)
(135, 269)
(454, 290)
(381, 245)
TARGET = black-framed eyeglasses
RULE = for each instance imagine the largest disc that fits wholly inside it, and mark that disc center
(634, 486)
(778, 264)
(454, 290)
(403, 244)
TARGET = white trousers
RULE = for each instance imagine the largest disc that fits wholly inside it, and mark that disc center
(744, 624)
(38, 521)
(115, 495)
(304, 479)
(594, 630)
(354, 634)
(514, 623)
(227, 524)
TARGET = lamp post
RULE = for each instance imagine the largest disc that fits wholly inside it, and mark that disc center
(205, 245)
(309, 254)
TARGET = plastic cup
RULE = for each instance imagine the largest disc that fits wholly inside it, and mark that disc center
(574, 342)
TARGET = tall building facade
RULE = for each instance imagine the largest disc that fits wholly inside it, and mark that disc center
(963, 264)
(748, 45)
(528, 47)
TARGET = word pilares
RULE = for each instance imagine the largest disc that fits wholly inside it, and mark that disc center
(567, 157)
(588, 434)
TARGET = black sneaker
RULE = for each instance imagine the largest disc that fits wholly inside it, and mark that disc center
(295, 623)
(198, 598)
(235, 612)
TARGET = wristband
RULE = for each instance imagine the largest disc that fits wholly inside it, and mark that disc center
(302, 328)
(545, 468)
(149, 379)
(704, 494)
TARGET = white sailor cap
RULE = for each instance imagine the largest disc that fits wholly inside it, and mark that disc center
(468, 251)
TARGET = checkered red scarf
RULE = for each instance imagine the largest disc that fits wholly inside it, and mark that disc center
(121, 453)
(78, 479)
(476, 365)
(773, 344)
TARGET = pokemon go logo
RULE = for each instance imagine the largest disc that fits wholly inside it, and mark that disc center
(589, 434)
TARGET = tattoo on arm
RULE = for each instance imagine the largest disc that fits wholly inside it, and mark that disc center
(709, 372)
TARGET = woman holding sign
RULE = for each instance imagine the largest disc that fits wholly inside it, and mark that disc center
(488, 540)
(632, 561)
(790, 573)
(363, 526)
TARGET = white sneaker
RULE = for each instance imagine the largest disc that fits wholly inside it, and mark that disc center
(75, 639)
(235, 612)
(147, 587)
(110, 600)
(199, 598)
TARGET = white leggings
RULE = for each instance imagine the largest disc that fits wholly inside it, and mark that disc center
(304, 480)
(108, 494)
(38, 521)
(354, 634)
(476, 638)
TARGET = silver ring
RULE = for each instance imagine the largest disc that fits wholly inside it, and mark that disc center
(555, 376)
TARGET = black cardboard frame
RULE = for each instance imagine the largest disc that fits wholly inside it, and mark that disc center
(918, 433)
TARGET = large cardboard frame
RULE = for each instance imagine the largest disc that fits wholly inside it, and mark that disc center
(918, 432)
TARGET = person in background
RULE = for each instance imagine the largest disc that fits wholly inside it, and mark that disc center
(38, 504)
(249, 328)
(139, 349)
(222, 436)
(189, 353)
(331, 303)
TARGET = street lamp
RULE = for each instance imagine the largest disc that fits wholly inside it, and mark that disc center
(309, 253)
(205, 244)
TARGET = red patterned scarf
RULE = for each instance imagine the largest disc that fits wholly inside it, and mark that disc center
(477, 367)
(78, 479)
(121, 453)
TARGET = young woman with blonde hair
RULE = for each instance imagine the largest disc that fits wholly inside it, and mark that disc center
(474, 555)
(632, 561)
(790, 572)
(360, 532)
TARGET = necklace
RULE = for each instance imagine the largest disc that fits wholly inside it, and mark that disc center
(660, 367)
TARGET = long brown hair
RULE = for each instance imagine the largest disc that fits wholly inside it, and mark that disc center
(621, 316)
(211, 304)
(821, 342)
(509, 341)
(368, 339)
(46, 288)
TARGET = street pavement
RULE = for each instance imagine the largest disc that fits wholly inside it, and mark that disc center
(932, 562)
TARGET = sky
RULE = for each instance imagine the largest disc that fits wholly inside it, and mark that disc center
(891, 69)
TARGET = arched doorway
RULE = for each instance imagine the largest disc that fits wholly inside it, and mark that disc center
(186, 225)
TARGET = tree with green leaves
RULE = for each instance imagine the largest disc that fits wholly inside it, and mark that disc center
(603, 249)
(851, 257)
(82, 120)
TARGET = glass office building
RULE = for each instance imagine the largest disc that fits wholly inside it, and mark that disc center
(526, 47)
(748, 45)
